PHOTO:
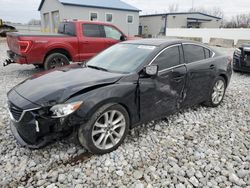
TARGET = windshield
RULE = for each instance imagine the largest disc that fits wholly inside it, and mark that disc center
(122, 58)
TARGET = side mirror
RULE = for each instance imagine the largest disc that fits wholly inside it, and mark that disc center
(123, 38)
(151, 70)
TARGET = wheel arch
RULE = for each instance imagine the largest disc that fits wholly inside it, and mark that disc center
(225, 78)
(110, 102)
(58, 50)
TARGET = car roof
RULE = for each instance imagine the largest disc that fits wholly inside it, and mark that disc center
(159, 42)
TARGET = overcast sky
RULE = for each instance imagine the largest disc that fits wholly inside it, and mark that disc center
(24, 10)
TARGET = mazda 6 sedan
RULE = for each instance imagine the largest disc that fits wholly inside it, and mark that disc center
(124, 86)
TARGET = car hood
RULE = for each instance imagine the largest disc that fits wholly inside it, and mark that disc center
(57, 86)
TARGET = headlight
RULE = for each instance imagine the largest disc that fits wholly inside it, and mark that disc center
(62, 110)
(237, 52)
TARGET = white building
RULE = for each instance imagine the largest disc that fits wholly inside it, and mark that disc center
(117, 12)
(157, 24)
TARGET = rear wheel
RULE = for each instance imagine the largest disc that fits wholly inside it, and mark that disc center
(55, 60)
(217, 93)
(106, 129)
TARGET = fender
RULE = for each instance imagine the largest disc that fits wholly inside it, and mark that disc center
(64, 46)
(121, 93)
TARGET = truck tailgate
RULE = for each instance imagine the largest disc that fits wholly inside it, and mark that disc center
(12, 41)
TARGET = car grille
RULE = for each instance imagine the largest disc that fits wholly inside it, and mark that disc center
(15, 111)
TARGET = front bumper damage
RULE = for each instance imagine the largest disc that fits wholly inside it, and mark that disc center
(35, 131)
(32, 125)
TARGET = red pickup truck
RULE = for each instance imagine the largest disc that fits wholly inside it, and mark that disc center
(75, 41)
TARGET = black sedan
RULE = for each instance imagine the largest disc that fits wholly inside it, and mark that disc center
(241, 59)
(126, 85)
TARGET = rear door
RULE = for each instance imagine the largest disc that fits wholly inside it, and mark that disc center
(162, 95)
(92, 40)
(112, 35)
(200, 73)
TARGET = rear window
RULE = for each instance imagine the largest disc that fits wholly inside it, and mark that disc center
(67, 28)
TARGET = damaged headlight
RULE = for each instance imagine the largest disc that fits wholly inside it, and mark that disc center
(62, 110)
(237, 52)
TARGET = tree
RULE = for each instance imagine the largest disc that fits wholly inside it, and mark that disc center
(34, 22)
(215, 11)
(239, 21)
(173, 8)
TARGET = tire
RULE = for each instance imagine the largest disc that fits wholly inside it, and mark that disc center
(96, 136)
(217, 92)
(55, 60)
(39, 66)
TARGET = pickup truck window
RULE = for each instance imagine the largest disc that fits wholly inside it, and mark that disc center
(67, 28)
(92, 30)
(113, 33)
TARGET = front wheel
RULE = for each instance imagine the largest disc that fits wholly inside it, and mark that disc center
(55, 60)
(217, 93)
(106, 129)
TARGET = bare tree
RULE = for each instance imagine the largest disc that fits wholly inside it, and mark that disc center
(239, 21)
(34, 22)
(215, 11)
(173, 8)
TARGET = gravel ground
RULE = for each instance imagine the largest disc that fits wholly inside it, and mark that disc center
(199, 147)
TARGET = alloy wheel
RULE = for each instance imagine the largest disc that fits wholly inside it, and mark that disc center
(57, 62)
(108, 129)
(218, 92)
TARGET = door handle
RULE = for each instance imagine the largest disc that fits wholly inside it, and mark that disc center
(212, 67)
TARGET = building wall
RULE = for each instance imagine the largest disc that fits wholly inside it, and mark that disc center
(180, 21)
(48, 7)
(153, 25)
(83, 13)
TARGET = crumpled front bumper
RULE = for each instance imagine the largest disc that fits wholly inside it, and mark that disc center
(31, 125)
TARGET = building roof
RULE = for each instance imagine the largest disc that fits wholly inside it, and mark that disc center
(105, 4)
(180, 13)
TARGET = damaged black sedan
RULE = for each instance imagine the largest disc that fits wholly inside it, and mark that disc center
(126, 85)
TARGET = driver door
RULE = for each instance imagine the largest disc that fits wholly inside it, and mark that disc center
(162, 95)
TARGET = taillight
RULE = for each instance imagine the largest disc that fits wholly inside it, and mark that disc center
(24, 46)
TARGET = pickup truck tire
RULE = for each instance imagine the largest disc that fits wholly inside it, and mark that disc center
(55, 60)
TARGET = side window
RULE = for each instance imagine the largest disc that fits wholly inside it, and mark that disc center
(168, 58)
(109, 17)
(92, 30)
(113, 33)
(208, 53)
(193, 53)
(130, 19)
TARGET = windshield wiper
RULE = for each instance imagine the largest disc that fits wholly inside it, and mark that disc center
(98, 68)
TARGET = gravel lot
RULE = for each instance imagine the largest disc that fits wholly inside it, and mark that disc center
(199, 147)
